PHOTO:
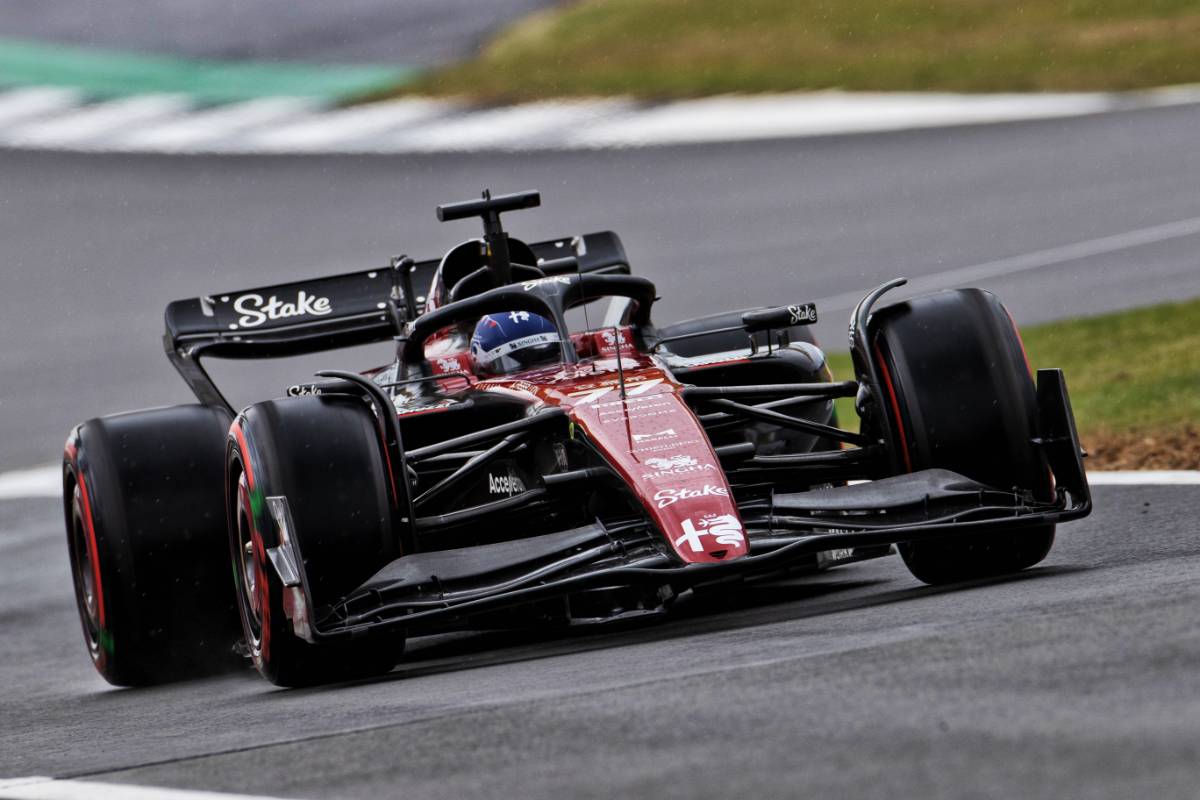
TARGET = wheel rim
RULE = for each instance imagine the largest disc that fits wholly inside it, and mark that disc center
(248, 575)
(85, 575)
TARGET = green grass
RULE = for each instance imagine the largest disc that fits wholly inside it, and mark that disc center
(1130, 372)
(679, 48)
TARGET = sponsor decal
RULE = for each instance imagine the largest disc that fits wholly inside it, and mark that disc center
(504, 349)
(505, 484)
(669, 433)
(448, 365)
(612, 342)
(723, 528)
(666, 497)
(389, 375)
(303, 390)
(658, 405)
(658, 448)
(255, 311)
(675, 465)
(560, 456)
(803, 315)
(401, 400)
(717, 358)
(565, 280)
(633, 389)
(672, 462)
(504, 385)
(840, 554)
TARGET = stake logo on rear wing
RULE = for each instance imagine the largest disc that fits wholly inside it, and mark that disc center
(255, 311)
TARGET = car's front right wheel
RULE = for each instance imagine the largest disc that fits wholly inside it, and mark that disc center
(958, 391)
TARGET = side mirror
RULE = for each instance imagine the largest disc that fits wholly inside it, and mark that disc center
(780, 317)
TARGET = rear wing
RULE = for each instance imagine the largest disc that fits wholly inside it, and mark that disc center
(327, 313)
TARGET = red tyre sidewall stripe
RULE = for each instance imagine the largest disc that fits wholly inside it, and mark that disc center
(90, 529)
(1020, 340)
(891, 390)
(387, 457)
(245, 452)
(260, 553)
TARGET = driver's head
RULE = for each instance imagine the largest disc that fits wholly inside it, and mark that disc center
(514, 341)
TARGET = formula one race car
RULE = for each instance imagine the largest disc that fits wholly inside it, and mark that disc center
(514, 467)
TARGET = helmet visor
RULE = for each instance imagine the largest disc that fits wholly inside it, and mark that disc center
(536, 350)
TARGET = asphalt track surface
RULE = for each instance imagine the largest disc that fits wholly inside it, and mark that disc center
(409, 33)
(1076, 678)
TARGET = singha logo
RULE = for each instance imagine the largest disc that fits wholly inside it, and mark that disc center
(674, 465)
(671, 462)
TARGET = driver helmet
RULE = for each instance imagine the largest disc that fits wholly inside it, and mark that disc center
(514, 341)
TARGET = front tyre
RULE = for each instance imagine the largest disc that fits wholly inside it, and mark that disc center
(323, 455)
(960, 396)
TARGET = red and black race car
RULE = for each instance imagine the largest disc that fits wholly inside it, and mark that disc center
(577, 471)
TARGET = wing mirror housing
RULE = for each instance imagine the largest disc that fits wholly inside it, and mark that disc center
(780, 317)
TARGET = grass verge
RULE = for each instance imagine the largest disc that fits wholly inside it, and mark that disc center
(1134, 378)
(683, 48)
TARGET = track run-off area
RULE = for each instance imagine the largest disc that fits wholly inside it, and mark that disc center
(1076, 678)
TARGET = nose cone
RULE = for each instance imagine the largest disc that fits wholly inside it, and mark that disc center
(659, 447)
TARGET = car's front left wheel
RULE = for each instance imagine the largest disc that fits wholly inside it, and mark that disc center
(321, 459)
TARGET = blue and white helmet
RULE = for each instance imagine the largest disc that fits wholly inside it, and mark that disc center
(514, 341)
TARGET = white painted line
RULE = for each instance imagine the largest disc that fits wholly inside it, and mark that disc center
(203, 129)
(1161, 97)
(527, 126)
(20, 105)
(39, 788)
(963, 276)
(742, 118)
(37, 482)
(1167, 477)
(335, 130)
(82, 127)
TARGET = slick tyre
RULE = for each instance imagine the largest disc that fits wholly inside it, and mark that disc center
(143, 497)
(960, 396)
(324, 457)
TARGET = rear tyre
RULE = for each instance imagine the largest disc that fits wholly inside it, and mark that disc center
(144, 508)
(324, 455)
(960, 396)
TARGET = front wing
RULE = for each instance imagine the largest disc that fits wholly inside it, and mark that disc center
(430, 591)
